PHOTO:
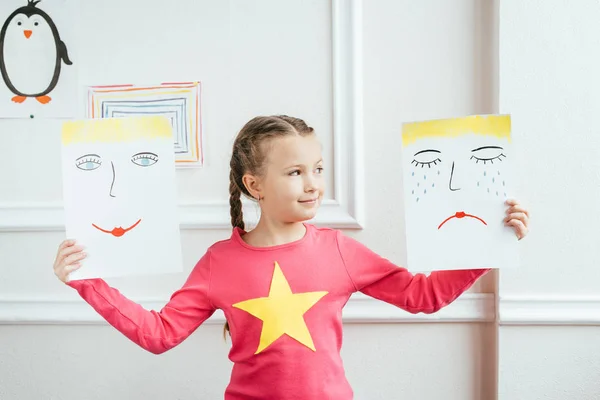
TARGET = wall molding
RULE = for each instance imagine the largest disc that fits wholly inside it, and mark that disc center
(344, 211)
(549, 310)
(361, 309)
(470, 307)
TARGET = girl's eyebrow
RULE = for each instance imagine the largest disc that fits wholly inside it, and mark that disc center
(294, 166)
(301, 165)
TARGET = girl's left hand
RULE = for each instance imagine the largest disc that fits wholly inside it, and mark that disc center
(517, 217)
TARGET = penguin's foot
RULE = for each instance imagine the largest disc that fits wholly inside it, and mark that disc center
(19, 99)
(43, 99)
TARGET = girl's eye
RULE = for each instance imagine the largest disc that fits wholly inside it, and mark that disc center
(294, 173)
(319, 170)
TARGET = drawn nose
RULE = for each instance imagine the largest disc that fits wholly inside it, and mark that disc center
(27, 33)
(452, 178)
(114, 178)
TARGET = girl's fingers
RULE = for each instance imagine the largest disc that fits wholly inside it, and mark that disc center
(518, 215)
(520, 228)
(517, 208)
(64, 245)
(70, 250)
(64, 276)
(74, 257)
(67, 252)
(67, 259)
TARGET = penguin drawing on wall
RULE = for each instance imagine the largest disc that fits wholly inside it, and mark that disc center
(31, 53)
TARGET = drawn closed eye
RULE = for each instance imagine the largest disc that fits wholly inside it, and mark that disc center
(89, 162)
(487, 154)
(427, 158)
(144, 159)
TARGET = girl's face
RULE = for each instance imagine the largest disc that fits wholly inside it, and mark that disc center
(292, 186)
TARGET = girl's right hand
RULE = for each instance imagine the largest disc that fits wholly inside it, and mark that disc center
(67, 259)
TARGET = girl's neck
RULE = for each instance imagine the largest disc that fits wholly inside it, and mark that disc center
(271, 233)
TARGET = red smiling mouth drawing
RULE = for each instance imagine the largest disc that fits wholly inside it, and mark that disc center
(460, 214)
(119, 231)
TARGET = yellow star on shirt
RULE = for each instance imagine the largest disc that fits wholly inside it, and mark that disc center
(282, 312)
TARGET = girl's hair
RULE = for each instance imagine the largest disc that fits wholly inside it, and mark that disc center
(249, 157)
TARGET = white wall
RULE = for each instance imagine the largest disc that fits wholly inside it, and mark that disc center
(549, 81)
(420, 60)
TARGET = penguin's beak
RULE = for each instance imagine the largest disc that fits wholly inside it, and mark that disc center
(27, 34)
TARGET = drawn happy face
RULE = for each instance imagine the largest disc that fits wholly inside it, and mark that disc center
(113, 166)
(120, 193)
(456, 179)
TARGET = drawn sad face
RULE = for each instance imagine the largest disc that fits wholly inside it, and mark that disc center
(456, 179)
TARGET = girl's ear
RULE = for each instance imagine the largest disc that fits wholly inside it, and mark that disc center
(252, 184)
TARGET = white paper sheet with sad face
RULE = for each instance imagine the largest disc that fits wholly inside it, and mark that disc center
(120, 196)
(457, 175)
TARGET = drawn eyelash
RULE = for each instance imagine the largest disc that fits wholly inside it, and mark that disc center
(423, 164)
(144, 159)
(491, 160)
(89, 162)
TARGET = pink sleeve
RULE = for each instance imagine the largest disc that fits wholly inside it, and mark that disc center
(154, 331)
(379, 278)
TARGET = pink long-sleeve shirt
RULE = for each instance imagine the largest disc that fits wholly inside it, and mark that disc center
(284, 308)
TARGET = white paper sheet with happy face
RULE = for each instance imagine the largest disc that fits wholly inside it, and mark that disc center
(120, 196)
(457, 177)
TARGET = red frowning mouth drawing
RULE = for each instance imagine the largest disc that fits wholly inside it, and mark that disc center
(461, 214)
(118, 231)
